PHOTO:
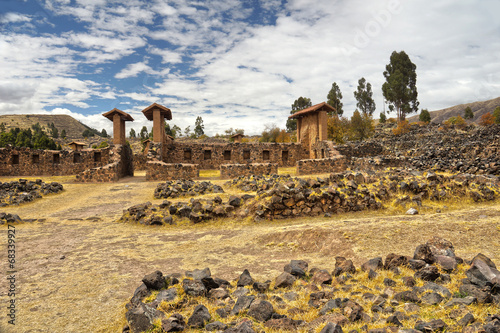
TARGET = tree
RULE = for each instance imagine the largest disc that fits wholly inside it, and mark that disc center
(334, 98)
(364, 96)
(198, 127)
(496, 114)
(270, 134)
(337, 128)
(400, 90)
(63, 134)
(361, 126)
(487, 119)
(132, 133)
(176, 130)
(300, 103)
(87, 133)
(425, 116)
(187, 131)
(468, 114)
(383, 118)
(144, 133)
(104, 134)
(2, 127)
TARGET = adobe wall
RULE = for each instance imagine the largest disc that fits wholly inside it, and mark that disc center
(120, 166)
(213, 155)
(323, 165)
(236, 170)
(312, 129)
(37, 162)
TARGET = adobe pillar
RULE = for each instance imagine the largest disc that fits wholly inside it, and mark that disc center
(158, 113)
(118, 117)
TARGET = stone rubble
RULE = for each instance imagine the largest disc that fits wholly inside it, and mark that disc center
(395, 305)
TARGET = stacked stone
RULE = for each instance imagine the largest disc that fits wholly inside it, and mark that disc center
(322, 165)
(185, 188)
(237, 170)
(23, 191)
(156, 170)
(400, 303)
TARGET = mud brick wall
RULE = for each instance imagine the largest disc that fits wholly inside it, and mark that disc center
(157, 170)
(213, 155)
(121, 166)
(36, 162)
(376, 163)
(363, 149)
(322, 165)
(236, 170)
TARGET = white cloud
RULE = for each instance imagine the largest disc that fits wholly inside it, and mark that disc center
(246, 65)
(14, 18)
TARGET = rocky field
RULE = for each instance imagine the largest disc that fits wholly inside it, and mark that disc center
(401, 294)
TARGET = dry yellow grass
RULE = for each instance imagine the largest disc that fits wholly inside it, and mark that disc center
(105, 261)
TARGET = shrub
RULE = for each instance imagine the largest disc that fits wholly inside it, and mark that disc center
(455, 121)
(402, 128)
(486, 119)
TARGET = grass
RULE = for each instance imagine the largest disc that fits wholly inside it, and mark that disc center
(116, 256)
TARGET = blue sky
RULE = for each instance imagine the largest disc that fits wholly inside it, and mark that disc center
(238, 64)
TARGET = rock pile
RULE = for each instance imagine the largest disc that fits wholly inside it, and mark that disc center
(185, 188)
(6, 218)
(472, 149)
(277, 197)
(23, 191)
(431, 291)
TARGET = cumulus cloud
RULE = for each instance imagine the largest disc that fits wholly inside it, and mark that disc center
(242, 64)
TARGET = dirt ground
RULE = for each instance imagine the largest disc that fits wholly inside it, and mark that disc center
(78, 267)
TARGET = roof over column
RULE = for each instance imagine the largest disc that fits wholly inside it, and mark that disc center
(124, 116)
(315, 108)
(148, 112)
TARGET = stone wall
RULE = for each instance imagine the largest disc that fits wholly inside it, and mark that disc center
(213, 155)
(323, 165)
(376, 163)
(236, 170)
(362, 149)
(120, 166)
(37, 162)
(140, 161)
(157, 170)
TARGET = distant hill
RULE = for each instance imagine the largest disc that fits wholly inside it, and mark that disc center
(479, 108)
(73, 127)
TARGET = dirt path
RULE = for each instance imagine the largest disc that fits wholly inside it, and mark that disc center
(78, 267)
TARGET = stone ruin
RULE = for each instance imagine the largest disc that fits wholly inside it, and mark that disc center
(166, 159)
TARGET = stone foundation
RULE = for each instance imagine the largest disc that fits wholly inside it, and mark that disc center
(323, 165)
(236, 170)
(157, 170)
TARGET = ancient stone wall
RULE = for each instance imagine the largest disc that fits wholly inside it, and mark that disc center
(157, 170)
(236, 170)
(376, 163)
(120, 166)
(140, 161)
(213, 155)
(323, 165)
(36, 162)
(362, 149)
